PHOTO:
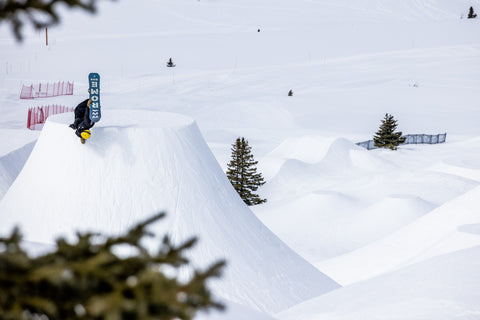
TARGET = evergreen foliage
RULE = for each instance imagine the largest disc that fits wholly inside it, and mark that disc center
(87, 280)
(386, 137)
(170, 63)
(40, 14)
(242, 172)
(290, 93)
(471, 13)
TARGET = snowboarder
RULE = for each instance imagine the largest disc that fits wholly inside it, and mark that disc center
(82, 122)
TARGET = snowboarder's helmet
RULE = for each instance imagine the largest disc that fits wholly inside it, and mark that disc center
(85, 134)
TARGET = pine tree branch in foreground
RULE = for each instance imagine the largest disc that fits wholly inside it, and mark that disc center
(40, 14)
(88, 280)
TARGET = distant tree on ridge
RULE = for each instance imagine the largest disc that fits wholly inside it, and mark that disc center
(170, 63)
(471, 13)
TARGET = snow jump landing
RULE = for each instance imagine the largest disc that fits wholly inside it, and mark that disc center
(138, 163)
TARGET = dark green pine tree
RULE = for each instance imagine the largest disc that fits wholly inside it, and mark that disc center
(471, 14)
(170, 63)
(89, 280)
(242, 172)
(386, 137)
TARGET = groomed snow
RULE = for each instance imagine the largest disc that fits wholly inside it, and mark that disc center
(366, 195)
(101, 186)
(438, 232)
(438, 288)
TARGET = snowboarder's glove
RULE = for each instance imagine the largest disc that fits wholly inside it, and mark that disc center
(72, 126)
(89, 102)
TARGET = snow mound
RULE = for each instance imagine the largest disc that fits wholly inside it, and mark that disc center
(351, 190)
(338, 154)
(10, 166)
(443, 230)
(309, 149)
(343, 158)
(443, 288)
(470, 228)
(343, 154)
(322, 219)
(468, 173)
(234, 311)
(393, 211)
(138, 163)
(348, 168)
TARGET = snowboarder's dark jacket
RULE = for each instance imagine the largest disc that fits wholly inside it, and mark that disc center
(82, 118)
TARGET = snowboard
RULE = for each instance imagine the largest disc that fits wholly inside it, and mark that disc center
(94, 90)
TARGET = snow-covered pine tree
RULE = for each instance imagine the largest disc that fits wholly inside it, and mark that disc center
(89, 280)
(386, 137)
(242, 172)
(471, 13)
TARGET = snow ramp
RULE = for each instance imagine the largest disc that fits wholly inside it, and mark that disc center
(141, 162)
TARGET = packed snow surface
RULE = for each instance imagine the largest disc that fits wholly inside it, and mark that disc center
(142, 162)
(441, 286)
(398, 229)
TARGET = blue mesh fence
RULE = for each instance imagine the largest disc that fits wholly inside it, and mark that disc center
(411, 139)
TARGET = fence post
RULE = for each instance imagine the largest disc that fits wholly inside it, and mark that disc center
(29, 118)
(36, 114)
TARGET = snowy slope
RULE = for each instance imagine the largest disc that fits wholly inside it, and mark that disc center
(352, 197)
(443, 230)
(443, 288)
(11, 164)
(141, 162)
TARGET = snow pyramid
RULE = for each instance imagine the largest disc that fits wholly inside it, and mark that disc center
(138, 163)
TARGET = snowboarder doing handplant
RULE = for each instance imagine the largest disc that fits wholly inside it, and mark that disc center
(82, 122)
